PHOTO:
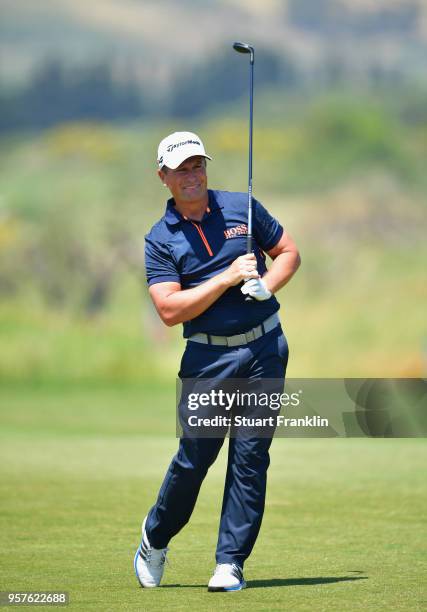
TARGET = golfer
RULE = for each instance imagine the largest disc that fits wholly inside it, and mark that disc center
(199, 275)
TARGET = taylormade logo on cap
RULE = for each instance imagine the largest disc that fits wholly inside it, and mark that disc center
(177, 147)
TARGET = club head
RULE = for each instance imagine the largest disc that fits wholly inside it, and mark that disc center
(244, 48)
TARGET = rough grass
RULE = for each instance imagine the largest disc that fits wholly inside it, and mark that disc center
(355, 308)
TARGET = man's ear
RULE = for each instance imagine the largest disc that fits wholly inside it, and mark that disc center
(161, 175)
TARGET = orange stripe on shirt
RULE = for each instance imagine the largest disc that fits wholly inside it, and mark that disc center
(203, 237)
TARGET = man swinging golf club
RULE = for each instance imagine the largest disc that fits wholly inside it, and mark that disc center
(199, 274)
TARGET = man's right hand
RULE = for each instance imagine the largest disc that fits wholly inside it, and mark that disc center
(242, 268)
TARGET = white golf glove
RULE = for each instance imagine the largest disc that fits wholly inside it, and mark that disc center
(256, 288)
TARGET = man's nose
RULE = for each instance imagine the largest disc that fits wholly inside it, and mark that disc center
(190, 174)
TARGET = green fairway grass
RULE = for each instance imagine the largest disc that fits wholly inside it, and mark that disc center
(344, 527)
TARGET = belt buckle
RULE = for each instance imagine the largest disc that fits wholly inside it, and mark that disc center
(236, 340)
(257, 332)
(219, 340)
(250, 335)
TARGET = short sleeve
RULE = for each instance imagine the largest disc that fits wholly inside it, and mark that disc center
(267, 230)
(159, 264)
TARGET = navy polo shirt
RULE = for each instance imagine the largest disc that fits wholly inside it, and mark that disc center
(190, 252)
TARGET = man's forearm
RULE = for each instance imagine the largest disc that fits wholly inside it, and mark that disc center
(187, 304)
(176, 305)
(281, 270)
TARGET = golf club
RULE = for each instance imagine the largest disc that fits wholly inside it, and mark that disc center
(245, 48)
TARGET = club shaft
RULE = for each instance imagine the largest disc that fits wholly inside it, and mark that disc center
(251, 116)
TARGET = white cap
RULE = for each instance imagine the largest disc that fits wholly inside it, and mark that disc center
(177, 147)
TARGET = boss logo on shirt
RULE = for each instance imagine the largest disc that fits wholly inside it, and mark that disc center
(239, 230)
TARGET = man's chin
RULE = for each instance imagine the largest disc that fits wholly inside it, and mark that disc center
(192, 195)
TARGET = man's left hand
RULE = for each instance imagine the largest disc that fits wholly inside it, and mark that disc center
(257, 289)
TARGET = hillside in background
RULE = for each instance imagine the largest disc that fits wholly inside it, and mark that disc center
(153, 39)
(119, 61)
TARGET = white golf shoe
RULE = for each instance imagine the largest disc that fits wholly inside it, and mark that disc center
(149, 562)
(227, 577)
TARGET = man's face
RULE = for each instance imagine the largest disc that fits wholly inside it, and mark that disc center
(188, 183)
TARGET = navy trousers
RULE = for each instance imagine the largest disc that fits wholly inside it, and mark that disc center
(248, 458)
